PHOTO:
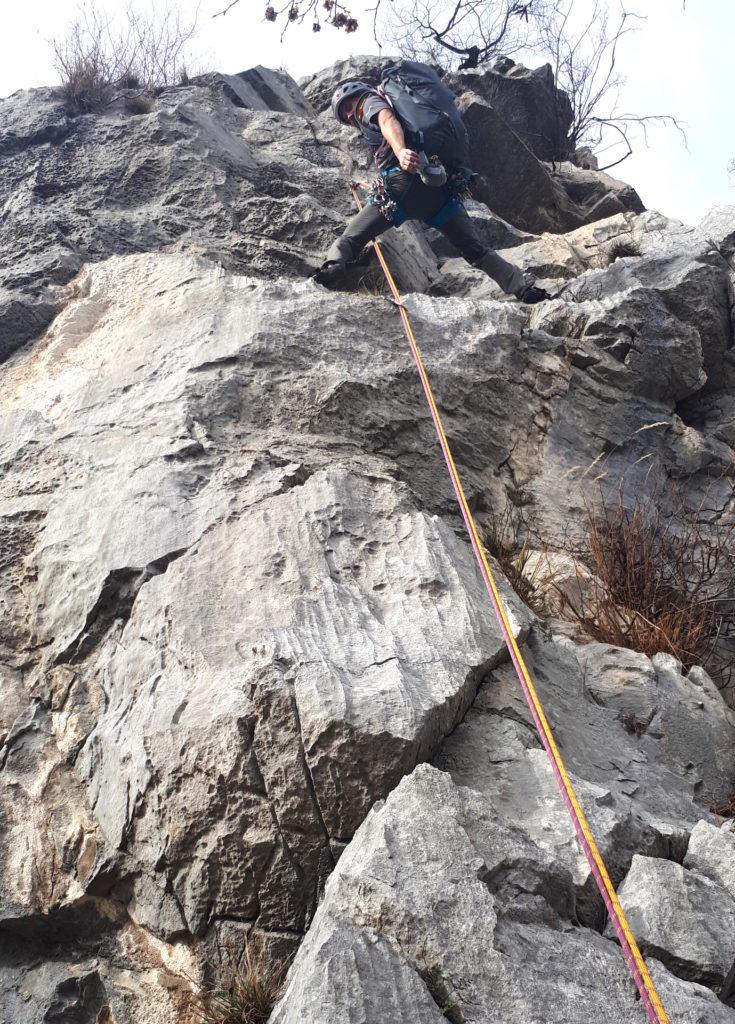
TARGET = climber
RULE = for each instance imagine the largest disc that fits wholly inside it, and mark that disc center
(412, 185)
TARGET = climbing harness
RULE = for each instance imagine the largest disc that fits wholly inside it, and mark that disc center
(644, 982)
(393, 209)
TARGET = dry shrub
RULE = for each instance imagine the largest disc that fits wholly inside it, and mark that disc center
(138, 104)
(99, 56)
(506, 537)
(251, 989)
(662, 582)
(725, 808)
(620, 248)
(84, 83)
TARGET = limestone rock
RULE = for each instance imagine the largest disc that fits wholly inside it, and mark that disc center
(711, 852)
(632, 748)
(238, 603)
(270, 716)
(320, 87)
(513, 183)
(436, 880)
(686, 1001)
(681, 917)
(718, 225)
(527, 100)
(261, 89)
(597, 193)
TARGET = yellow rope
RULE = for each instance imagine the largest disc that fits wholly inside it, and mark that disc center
(636, 963)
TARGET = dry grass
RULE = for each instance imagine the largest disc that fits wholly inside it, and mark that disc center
(99, 56)
(85, 85)
(250, 991)
(440, 993)
(138, 104)
(506, 537)
(725, 808)
(618, 249)
(661, 582)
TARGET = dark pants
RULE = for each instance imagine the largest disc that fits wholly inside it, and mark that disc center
(420, 202)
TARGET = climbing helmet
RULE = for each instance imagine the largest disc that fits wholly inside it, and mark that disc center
(344, 92)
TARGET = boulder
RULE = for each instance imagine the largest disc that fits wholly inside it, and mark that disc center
(437, 895)
(260, 88)
(711, 852)
(598, 194)
(320, 87)
(718, 226)
(682, 918)
(513, 183)
(629, 729)
(527, 100)
(688, 1002)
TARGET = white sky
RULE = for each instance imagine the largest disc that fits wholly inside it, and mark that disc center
(681, 62)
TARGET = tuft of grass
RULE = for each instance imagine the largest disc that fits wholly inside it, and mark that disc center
(620, 248)
(439, 992)
(85, 87)
(661, 581)
(137, 103)
(506, 537)
(129, 80)
(101, 54)
(250, 990)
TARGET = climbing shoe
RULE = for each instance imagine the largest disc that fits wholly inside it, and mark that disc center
(531, 294)
(330, 272)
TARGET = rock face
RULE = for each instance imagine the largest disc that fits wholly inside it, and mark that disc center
(527, 100)
(681, 917)
(440, 905)
(234, 167)
(245, 652)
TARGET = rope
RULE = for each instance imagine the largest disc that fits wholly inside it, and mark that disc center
(644, 982)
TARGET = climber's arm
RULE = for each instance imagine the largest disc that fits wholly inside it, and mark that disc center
(392, 132)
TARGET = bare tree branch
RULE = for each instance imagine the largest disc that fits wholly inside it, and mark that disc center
(585, 65)
(464, 33)
(581, 41)
(338, 14)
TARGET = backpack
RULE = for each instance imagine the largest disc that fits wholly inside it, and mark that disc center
(426, 109)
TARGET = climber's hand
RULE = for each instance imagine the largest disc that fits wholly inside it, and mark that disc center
(408, 160)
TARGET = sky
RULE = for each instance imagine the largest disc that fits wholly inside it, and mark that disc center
(680, 62)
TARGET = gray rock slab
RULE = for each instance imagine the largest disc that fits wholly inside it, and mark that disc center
(283, 639)
(641, 790)
(688, 1002)
(718, 225)
(598, 194)
(684, 919)
(262, 88)
(320, 87)
(527, 100)
(416, 877)
(711, 852)
(513, 182)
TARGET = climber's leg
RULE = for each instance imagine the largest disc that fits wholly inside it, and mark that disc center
(363, 228)
(461, 233)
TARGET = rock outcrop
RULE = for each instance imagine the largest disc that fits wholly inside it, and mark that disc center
(527, 100)
(250, 683)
